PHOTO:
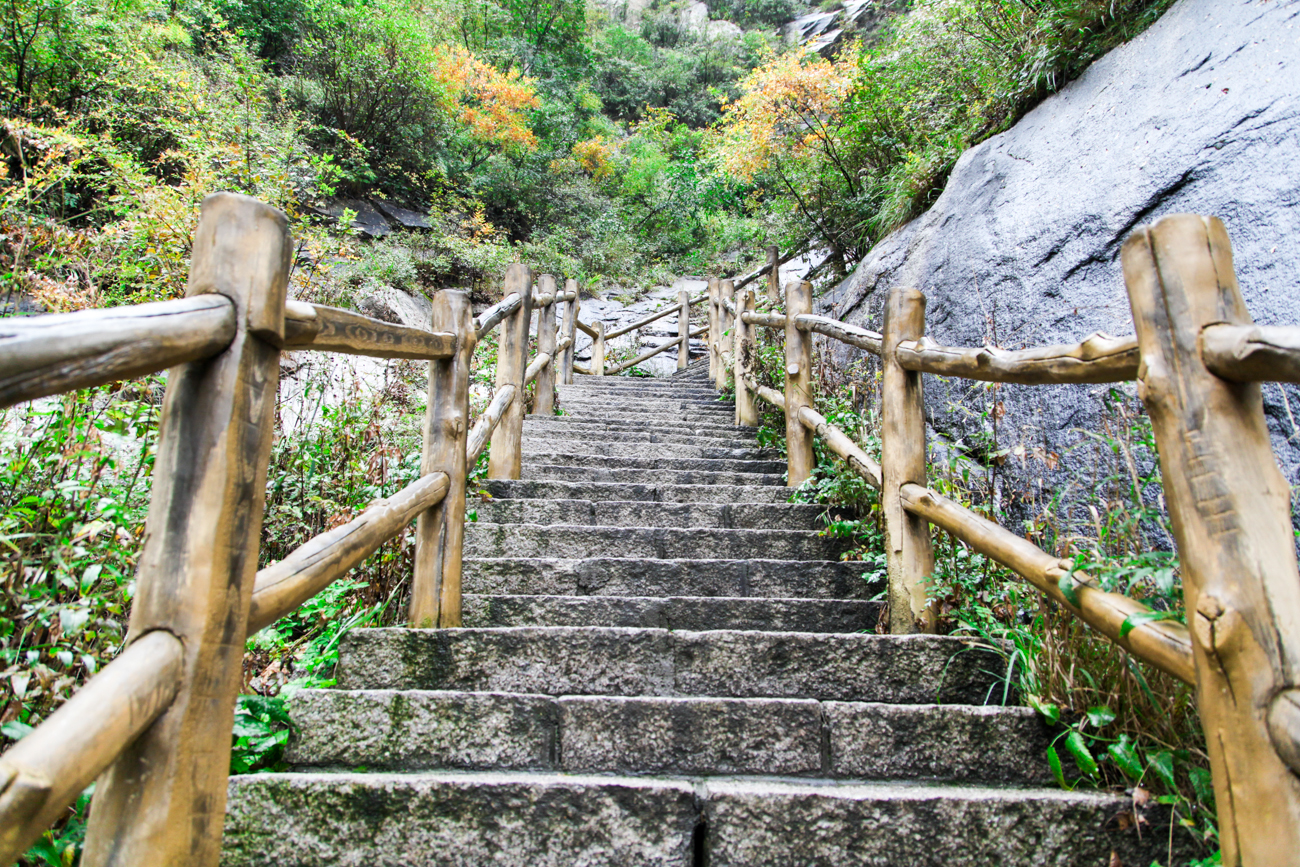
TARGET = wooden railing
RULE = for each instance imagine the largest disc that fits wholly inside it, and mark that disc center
(1199, 360)
(599, 337)
(154, 726)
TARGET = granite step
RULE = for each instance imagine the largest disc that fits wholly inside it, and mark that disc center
(577, 542)
(589, 457)
(698, 613)
(416, 730)
(739, 516)
(596, 473)
(534, 445)
(659, 491)
(898, 669)
(612, 576)
(574, 434)
(639, 422)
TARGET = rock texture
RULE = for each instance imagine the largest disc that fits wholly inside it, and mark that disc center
(1201, 113)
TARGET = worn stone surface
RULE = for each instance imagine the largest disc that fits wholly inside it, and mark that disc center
(534, 445)
(672, 612)
(391, 730)
(690, 736)
(597, 472)
(940, 742)
(1201, 114)
(484, 540)
(654, 662)
(421, 820)
(659, 493)
(743, 516)
(551, 434)
(650, 460)
(631, 577)
(757, 824)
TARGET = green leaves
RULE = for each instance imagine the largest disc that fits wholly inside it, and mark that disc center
(260, 731)
(1138, 618)
(1068, 590)
(1125, 757)
(1078, 748)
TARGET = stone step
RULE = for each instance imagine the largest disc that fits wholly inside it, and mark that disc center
(599, 474)
(485, 540)
(660, 493)
(906, 669)
(545, 819)
(672, 385)
(636, 449)
(575, 434)
(632, 423)
(717, 412)
(594, 393)
(698, 613)
(662, 420)
(415, 730)
(764, 579)
(739, 516)
(649, 404)
(422, 820)
(589, 457)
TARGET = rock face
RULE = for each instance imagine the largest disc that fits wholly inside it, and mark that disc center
(1201, 113)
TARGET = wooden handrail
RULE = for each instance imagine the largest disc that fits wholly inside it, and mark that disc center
(1097, 358)
(491, 317)
(871, 341)
(330, 329)
(650, 353)
(54, 353)
(742, 282)
(586, 329)
(536, 366)
(44, 772)
(487, 422)
(765, 320)
(771, 395)
(319, 562)
(658, 314)
(1252, 353)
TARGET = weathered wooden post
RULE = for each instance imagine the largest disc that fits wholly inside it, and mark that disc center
(726, 332)
(164, 800)
(798, 384)
(743, 359)
(569, 329)
(909, 552)
(715, 333)
(504, 458)
(684, 329)
(598, 350)
(1230, 509)
(774, 275)
(544, 396)
(440, 531)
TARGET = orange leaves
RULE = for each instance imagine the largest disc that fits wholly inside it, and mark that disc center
(492, 104)
(595, 155)
(788, 106)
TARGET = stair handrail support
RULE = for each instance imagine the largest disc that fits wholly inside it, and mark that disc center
(683, 329)
(570, 328)
(798, 383)
(743, 361)
(504, 452)
(1229, 507)
(909, 551)
(440, 530)
(726, 332)
(544, 394)
(715, 332)
(163, 800)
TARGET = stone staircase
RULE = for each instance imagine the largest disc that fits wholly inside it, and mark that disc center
(664, 664)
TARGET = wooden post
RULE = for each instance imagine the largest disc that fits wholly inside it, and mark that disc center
(798, 384)
(504, 455)
(742, 353)
(909, 553)
(726, 332)
(164, 800)
(1230, 509)
(544, 396)
(774, 276)
(715, 333)
(598, 350)
(684, 329)
(570, 330)
(440, 531)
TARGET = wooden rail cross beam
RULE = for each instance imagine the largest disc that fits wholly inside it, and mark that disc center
(1230, 509)
(908, 549)
(505, 459)
(440, 531)
(163, 802)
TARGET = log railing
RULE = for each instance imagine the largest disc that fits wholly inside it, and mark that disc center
(600, 337)
(154, 726)
(1199, 360)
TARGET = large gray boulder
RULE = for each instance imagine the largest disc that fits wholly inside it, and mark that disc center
(1201, 113)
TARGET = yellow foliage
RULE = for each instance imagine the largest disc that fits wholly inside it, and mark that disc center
(489, 102)
(595, 155)
(787, 107)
